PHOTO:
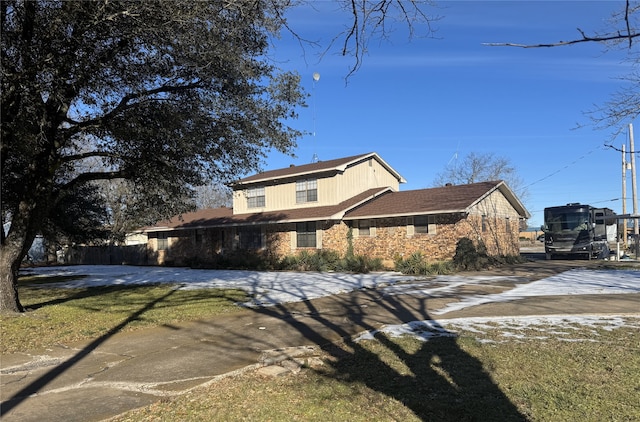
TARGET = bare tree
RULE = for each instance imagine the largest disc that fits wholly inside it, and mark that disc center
(213, 196)
(375, 18)
(621, 32)
(475, 167)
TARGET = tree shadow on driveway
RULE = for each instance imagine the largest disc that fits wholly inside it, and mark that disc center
(436, 379)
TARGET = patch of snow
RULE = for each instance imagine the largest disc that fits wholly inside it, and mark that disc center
(573, 282)
(271, 288)
(527, 327)
(267, 288)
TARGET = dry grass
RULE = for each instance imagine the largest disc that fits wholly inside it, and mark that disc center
(57, 315)
(446, 379)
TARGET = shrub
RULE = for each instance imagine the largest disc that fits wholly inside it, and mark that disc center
(417, 264)
(468, 256)
(306, 260)
(361, 264)
(236, 260)
(442, 267)
(329, 260)
(414, 264)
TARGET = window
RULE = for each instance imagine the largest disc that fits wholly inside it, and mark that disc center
(306, 191)
(255, 197)
(364, 228)
(508, 225)
(199, 235)
(249, 238)
(484, 224)
(423, 224)
(306, 234)
(163, 241)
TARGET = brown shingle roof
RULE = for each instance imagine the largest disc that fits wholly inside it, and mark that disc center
(200, 218)
(338, 164)
(435, 200)
(373, 203)
(220, 217)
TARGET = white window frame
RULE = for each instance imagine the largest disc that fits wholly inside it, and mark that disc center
(306, 191)
(414, 229)
(256, 197)
(365, 228)
(427, 226)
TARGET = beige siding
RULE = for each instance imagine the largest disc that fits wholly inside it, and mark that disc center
(331, 190)
(366, 175)
(283, 197)
(495, 205)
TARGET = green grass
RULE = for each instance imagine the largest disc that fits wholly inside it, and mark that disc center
(60, 315)
(595, 378)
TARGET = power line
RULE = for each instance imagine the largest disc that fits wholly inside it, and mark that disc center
(563, 168)
(590, 203)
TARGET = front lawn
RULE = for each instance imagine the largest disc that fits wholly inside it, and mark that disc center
(63, 315)
(591, 378)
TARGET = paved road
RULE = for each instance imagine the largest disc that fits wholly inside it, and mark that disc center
(99, 379)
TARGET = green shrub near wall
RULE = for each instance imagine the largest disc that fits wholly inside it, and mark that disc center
(417, 264)
(306, 260)
(328, 260)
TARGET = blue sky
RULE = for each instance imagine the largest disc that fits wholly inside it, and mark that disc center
(421, 103)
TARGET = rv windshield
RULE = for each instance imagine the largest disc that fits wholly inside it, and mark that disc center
(568, 220)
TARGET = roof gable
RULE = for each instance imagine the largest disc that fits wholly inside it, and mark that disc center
(336, 165)
(440, 200)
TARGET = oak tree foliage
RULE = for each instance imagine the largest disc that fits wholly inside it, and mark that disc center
(165, 96)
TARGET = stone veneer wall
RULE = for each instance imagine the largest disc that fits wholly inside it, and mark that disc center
(499, 240)
(279, 239)
(391, 239)
(334, 237)
(183, 248)
(388, 241)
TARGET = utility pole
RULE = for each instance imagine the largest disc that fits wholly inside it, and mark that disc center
(624, 192)
(634, 191)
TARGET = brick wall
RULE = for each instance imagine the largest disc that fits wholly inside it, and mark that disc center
(390, 239)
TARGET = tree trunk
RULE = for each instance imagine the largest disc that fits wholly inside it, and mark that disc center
(10, 258)
(13, 249)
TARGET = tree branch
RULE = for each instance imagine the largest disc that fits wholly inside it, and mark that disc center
(89, 177)
(91, 154)
(584, 39)
(125, 102)
(626, 20)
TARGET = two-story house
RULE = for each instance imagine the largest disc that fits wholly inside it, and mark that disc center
(347, 202)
